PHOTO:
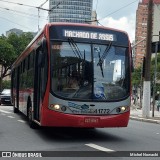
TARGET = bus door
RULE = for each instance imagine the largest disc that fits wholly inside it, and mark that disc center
(40, 80)
(37, 85)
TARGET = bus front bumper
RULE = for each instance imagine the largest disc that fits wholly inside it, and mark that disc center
(57, 119)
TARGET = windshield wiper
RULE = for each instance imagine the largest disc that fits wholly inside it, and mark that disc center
(75, 48)
(103, 57)
(79, 55)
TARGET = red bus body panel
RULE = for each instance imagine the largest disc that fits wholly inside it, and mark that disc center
(56, 119)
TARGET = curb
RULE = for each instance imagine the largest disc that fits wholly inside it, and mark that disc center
(145, 120)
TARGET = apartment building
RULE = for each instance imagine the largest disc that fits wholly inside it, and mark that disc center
(141, 28)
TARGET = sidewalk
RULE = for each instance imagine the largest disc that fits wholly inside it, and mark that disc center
(136, 114)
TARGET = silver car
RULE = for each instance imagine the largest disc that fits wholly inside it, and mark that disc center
(5, 97)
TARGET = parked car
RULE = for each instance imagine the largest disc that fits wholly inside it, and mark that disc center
(5, 96)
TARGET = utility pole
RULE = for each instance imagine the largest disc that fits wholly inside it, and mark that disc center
(155, 78)
(146, 103)
(40, 7)
(155, 74)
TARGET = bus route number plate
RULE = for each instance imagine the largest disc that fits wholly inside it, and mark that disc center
(91, 120)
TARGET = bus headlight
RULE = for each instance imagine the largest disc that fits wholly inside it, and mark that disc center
(58, 107)
(55, 106)
(121, 109)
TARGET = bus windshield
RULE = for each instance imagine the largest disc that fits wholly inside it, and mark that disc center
(85, 71)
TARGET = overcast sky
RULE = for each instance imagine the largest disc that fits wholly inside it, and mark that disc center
(120, 14)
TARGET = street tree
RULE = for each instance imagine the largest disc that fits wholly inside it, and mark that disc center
(19, 42)
(10, 48)
(7, 56)
(136, 76)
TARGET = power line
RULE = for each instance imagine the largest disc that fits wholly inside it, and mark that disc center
(26, 5)
(118, 9)
(114, 11)
(15, 23)
(100, 24)
(25, 13)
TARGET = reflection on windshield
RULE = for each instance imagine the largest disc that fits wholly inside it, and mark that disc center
(72, 70)
(77, 73)
(111, 85)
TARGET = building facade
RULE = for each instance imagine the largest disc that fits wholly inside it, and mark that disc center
(141, 28)
(76, 11)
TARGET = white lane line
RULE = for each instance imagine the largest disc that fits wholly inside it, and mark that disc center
(3, 114)
(21, 121)
(99, 147)
(4, 111)
(10, 116)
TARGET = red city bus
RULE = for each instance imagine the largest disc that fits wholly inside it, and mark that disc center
(74, 75)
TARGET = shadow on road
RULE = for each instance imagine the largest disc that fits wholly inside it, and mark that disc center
(77, 134)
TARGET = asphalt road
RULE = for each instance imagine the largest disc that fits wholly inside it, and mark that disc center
(16, 135)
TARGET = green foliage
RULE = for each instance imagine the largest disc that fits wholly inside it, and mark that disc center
(20, 42)
(6, 84)
(7, 56)
(136, 77)
(10, 48)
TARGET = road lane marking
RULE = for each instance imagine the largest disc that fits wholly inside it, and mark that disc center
(99, 147)
(3, 114)
(21, 121)
(10, 116)
(4, 111)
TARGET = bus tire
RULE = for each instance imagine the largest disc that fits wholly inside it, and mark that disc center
(32, 124)
(15, 110)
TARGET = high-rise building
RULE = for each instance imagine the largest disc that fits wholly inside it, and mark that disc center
(76, 11)
(141, 28)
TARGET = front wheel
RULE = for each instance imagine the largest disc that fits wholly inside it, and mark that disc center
(32, 124)
(15, 110)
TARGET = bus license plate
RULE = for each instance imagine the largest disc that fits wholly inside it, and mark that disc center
(91, 120)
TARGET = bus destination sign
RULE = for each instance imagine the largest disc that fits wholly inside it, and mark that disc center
(89, 35)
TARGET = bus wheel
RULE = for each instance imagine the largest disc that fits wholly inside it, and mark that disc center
(32, 124)
(15, 110)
